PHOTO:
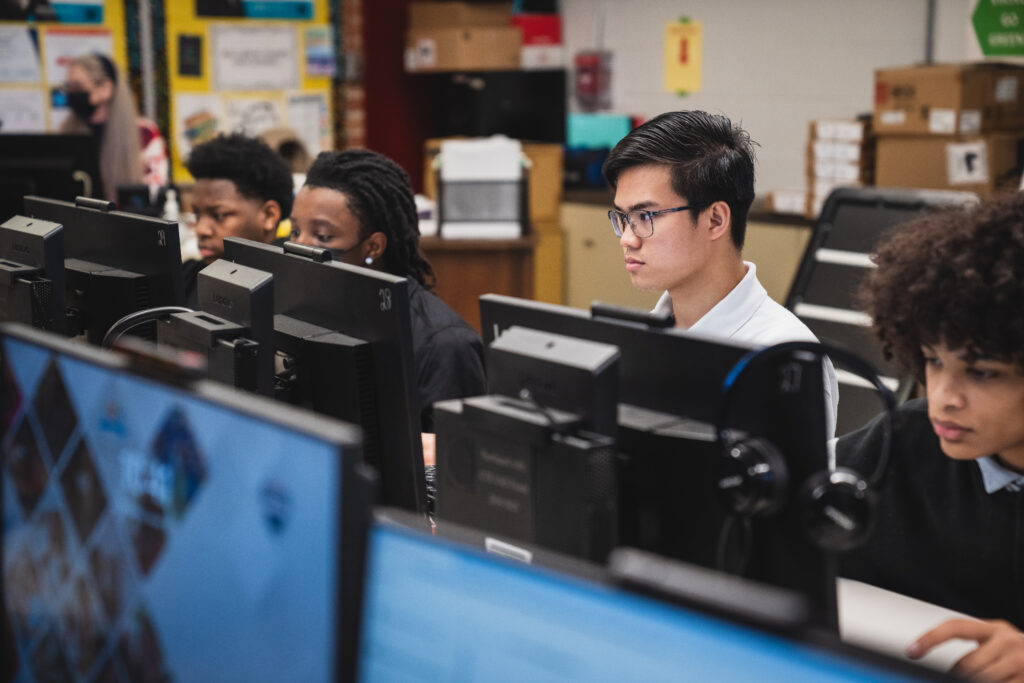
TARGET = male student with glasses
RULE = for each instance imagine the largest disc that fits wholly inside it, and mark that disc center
(683, 184)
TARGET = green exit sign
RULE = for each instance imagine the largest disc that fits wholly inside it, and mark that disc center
(999, 25)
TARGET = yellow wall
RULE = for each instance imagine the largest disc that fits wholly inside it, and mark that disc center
(113, 21)
(181, 19)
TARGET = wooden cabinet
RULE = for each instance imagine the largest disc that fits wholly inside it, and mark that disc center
(465, 269)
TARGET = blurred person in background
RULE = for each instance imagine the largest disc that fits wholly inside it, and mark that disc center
(101, 105)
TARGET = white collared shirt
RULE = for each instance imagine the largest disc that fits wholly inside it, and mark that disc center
(748, 314)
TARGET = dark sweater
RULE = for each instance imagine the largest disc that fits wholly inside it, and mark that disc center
(190, 274)
(940, 537)
(447, 353)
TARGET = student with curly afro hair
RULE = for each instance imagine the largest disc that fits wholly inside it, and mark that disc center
(359, 204)
(947, 301)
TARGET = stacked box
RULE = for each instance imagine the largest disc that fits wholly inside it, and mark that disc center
(840, 153)
(951, 127)
(460, 36)
(542, 40)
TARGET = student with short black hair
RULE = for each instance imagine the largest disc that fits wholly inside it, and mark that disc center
(242, 189)
(360, 205)
(947, 301)
(683, 183)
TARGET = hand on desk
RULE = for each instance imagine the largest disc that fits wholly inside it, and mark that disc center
(998, 657)
(429, 442)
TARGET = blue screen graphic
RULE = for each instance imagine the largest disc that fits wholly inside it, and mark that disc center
(149, 534)
(436, 611)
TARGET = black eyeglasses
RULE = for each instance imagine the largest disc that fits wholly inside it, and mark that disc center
(642, 222)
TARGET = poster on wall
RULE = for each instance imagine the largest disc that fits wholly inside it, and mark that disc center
(254, 58)
(61, 45)
(256, 9)
(22, 111)
(309, 117)
(253, 115)
(683, 47)
(197, 118)
(319, 51)
(19, 55)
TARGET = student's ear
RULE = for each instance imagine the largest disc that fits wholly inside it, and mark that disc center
(374, 246)
(270, 216)
(720, 217)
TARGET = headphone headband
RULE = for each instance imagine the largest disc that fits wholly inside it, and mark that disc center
(851, 361)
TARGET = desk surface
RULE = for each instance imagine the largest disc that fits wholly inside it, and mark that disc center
(888, 622)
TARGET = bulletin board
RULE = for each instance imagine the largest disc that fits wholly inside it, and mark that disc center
(34, 57)
(228, 72)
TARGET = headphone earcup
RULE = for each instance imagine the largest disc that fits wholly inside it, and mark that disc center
(838, 509)
(751, 477)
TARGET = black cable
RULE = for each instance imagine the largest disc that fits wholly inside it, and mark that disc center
(138, 318)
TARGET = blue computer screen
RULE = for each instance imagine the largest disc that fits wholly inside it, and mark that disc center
(150, 534)
(437, 611)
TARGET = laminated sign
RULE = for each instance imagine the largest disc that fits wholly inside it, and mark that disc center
(683, 57)
(967, 163)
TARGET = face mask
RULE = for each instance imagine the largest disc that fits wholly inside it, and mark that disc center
(78, 102)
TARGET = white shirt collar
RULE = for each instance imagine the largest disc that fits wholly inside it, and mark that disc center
(727, 316)
(996, 477)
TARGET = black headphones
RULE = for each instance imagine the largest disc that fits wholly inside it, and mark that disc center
(837, 505)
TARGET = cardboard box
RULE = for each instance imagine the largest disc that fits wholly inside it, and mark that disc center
(458, 14)
(786, 202)
(984, 164)
(545, 180)
(849, 130)
(963, 99)
(539, 29)
(837, 150)
(477, 48)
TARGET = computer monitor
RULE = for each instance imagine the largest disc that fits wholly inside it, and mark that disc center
(57, 166)
(233, 327)
(142, 199)
(343, 337)
(32, 273)
(669, 385)
(534, 460)
(115, 263)
(172, 531)
(435, 609)
(556, 371)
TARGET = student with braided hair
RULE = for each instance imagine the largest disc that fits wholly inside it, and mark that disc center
(359, 205)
